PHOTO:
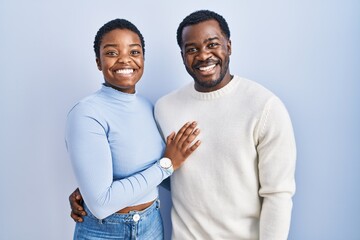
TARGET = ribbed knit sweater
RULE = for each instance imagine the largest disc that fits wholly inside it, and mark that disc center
(239, 183)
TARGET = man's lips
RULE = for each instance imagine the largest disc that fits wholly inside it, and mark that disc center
(206, 66)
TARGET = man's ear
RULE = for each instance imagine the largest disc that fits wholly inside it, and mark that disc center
(229, 46)
(182, 56)
(98, 63)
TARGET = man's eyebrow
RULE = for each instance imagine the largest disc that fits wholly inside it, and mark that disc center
(188, 44)
(116, 45)
(205, 41)
(211, 39)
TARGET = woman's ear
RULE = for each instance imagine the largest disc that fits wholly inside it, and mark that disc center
(98, 63)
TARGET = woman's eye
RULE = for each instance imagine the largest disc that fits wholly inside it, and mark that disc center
(135, 52)
(111, 53)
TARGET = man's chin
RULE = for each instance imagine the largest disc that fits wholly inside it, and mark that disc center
(208, 83)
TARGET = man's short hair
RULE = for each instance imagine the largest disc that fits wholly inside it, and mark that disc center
(201, 16)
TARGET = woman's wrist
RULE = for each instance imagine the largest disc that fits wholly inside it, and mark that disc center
(166, 164)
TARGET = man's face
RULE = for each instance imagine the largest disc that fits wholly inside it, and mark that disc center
(121, 59)
(206, 55)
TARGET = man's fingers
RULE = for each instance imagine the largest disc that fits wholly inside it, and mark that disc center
(77, 209)
(77, 194)
(75, 217)
(75, 204)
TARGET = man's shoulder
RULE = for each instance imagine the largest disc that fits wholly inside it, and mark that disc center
(254, 87)
(254, 93)
(175, 95)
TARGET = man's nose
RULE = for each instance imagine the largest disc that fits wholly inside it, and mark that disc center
(204, 54)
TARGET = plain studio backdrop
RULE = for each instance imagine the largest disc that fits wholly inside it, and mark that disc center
(307, 52)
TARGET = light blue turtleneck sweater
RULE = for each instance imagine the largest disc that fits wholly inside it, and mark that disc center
(114, 144)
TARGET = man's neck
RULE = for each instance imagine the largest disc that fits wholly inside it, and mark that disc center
(227, 78)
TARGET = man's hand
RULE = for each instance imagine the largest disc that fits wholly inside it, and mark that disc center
(76, 203)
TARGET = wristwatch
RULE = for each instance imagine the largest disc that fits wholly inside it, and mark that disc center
(166, 164)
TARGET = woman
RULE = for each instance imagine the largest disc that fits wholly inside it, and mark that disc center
(115, 147)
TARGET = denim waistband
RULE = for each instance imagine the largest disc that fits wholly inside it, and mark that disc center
(132, 216)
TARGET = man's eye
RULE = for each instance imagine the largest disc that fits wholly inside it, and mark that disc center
(111, 53)
(191, 50)
(212, 45)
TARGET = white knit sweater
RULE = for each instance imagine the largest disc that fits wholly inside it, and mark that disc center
(240, 181)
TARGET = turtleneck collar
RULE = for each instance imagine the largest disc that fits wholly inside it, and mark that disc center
(218, 93)
(118, 95)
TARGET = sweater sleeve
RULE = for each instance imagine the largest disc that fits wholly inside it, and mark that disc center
(277, 156)
(90, 155)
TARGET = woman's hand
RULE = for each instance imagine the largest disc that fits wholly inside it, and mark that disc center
(178, 146)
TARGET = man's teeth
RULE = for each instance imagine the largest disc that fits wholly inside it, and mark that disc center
(207, 68)
(125, 71)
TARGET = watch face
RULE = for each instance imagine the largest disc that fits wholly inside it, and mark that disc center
(165, 163)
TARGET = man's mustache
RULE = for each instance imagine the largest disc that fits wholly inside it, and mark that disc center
(207, 62)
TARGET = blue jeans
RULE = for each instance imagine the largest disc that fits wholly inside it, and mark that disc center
(141, 225)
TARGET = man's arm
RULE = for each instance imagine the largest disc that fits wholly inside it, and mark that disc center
(166, 184)
(277, 156)
(76, 203)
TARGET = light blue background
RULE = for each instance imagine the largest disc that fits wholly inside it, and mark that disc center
(307, 52)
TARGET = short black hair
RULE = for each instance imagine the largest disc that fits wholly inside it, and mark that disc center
(112, 25)
(201, 16)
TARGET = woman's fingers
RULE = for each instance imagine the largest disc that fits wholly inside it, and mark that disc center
(191, 149)
(184, 133)
(181, 131)
(180, 145)
(190, 138)
(170, 138)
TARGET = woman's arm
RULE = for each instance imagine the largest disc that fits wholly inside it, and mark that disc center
(90, 155)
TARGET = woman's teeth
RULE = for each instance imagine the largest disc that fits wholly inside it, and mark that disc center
(125, 71)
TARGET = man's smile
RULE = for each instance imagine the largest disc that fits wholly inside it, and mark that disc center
(207, 68)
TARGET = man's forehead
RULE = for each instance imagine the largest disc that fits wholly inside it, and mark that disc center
(202, 31)
(211, 23)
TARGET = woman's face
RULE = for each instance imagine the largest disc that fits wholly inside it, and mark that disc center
(121, 59)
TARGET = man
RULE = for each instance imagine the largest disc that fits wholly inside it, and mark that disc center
(240, 183)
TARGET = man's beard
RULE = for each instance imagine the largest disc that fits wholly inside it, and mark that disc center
(211, 84)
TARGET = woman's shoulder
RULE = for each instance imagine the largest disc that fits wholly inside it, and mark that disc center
(86, 105)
